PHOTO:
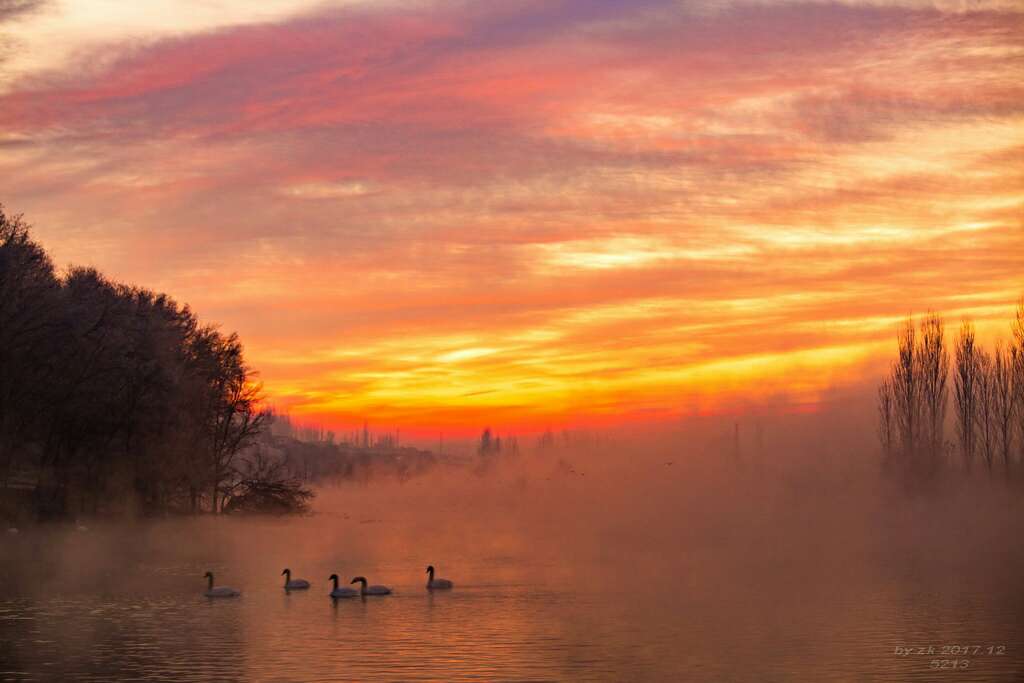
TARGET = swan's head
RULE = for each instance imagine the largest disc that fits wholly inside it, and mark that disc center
(430, 569)
(208, 575)
(332, 577)
(286, 572)
(358, 579)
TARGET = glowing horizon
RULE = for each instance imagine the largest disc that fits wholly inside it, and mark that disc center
(446, 215)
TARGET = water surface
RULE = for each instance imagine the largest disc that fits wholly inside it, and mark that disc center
(555, 580)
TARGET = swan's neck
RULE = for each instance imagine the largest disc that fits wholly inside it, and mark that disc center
(209, 582)
(335, 580)
(362, 586)
(287, 577)
(430, 575)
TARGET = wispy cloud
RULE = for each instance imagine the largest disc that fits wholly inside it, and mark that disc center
(448, 210)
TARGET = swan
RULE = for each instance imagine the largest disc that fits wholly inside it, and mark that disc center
(370, 590)
(296, 585)
(219, 591)
(437, 584)
(341, 592)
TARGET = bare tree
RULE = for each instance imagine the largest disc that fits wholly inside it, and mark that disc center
(887, 420)
(230, 411)
(1017, 363)
(1003, 402)
(966, 392)
(263, 484)
(933, 369)
(906, 386)
(986, 415)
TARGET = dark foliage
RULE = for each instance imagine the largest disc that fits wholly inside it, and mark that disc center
(113, 398)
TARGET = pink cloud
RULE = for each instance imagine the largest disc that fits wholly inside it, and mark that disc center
(374, 175)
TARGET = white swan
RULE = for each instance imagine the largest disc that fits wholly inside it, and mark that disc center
(370, 590)
(296, 585)
(437, 584)
(341, 592)
(219, 591)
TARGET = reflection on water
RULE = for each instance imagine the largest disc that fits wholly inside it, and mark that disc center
(583, 586)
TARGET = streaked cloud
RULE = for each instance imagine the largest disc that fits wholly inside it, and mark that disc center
(443, 213)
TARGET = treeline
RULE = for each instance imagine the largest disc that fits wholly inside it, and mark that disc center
(987, 397)
(114, 398)
(324, 462)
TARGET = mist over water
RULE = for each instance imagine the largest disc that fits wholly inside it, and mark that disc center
(663, 556)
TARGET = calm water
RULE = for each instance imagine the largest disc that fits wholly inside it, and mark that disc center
(551, 584)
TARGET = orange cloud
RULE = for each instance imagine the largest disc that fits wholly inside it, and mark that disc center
(459, 214)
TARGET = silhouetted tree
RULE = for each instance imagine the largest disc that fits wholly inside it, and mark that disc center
(986, 415)
(932, 361)
(112, 396)
(228, 406)
(262, 484)
(29, 302)
(1003, 402)
(906, 390)
(887, 436)
(1017, 363)
(912, 400)
(966, 392)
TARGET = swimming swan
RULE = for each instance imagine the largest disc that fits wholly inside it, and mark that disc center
(370, 590)
(296, 585)
(437, 584)
(341, 592)
(219, 591)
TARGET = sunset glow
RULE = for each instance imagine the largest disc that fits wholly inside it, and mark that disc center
(445, 215)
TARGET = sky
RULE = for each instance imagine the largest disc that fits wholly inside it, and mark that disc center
(439, 215)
